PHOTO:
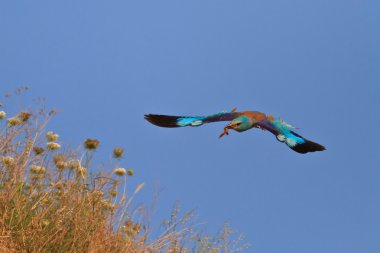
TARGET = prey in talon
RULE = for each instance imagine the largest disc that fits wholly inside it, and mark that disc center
(225, 132)
(240, 122)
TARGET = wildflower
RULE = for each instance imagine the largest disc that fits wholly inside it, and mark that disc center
(37, 169)
(130, 172)
(51, 136)
(118, 152)
(53, 145)
(8, 161)
(14, 121)
(2, 114)
(91, 144)
(120, 171)
(38, 150)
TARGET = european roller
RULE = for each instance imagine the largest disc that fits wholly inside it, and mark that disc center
(240, 122)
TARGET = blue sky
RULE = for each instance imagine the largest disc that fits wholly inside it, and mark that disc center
(315, 64)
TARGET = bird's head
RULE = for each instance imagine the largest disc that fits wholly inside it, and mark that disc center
(239, 124)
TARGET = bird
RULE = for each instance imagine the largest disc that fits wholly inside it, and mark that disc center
(240, 122)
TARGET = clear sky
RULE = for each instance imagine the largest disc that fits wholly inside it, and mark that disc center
(316, 64)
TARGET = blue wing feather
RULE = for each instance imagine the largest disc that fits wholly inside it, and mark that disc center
(284, 134)
(181, 121)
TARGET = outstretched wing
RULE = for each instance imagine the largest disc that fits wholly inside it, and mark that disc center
(283, 133)
(181, 121)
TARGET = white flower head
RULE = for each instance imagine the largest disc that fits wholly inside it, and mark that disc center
(2, 114)
(120, 171)
(53, 145)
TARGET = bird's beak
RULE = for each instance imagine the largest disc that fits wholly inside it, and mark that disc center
(229, 126)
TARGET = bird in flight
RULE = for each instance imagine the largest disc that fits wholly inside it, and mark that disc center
(240, 122)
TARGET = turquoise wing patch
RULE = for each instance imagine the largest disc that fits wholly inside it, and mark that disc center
(190, 121)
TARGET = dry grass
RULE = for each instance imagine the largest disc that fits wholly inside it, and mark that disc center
(51, 201)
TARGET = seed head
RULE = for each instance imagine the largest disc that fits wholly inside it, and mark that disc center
(45, 201)
(39, 186)
(73, 164)
(128, 223)
(61, 165)
(81, 171)
(130, 172)
(35, 177)
(113, 193)
(14, 121)
(120, 171)
(118, 152)
(130, 228)
(45, 223)
(53, 145)
(91, 144)
(107, 205)
(57, 158)
(59, 185)
(37, 169)
(137, 228)
(8, 161)
(51, 136)
(98, 194)
(38, 150)
(24, 116)
(2, 114)
(34, 169)
(27, 186)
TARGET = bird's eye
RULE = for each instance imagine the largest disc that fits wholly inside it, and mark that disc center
(238, 124)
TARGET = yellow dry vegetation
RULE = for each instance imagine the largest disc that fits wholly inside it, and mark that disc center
(52, 200)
